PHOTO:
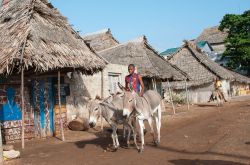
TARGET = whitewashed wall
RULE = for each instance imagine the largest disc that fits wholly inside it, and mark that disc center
(83, 86)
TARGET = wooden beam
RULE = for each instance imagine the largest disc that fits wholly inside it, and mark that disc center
(171, 98)
(22, 102)
(187, 94)
(102, 96)
(1, 146)
(60, 107)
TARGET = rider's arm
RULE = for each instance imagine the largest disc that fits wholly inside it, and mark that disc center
(142, 85)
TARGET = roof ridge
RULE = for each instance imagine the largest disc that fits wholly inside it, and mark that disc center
(105, 30)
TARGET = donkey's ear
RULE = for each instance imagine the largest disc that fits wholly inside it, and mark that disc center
(97, 97)
(121, 86)
(130, 88)
(87, 98)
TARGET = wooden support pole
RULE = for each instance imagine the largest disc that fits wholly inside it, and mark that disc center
(187, 97)
(155, 84)
(171, 98)
(60, 107)
(22, 103)
(102, 95)
(1, 146)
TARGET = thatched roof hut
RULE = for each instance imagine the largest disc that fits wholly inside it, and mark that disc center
(100, 40)
(197, 65)
(212, 35)
(149, 64)
(47, 41)
(240, 78)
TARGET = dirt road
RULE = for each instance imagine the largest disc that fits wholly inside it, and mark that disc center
(205, 135)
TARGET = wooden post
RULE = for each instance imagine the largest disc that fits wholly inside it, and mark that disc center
(1, 146)
(187, 94)
(155, 84)
(102, 95)
(60, 108)
(22, 102)
(170, 95)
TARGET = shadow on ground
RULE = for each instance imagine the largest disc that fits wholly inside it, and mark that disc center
(203, 162)
(103, 140)
(247, 143)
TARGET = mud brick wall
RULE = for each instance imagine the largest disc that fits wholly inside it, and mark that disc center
(11, 129)
(57, 119)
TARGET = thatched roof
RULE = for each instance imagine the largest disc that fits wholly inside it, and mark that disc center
(100, 40)
(240, 78)
(197, 65)
(148, 62)
(44, 35)
(212, 35)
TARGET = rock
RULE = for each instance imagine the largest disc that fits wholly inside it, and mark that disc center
(79, 124)
(8, 147)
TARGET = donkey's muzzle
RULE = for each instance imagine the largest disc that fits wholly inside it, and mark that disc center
(92, 124)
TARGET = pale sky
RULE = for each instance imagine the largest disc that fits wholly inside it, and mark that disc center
(166, 23)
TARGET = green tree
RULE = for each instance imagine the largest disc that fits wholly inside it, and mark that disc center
(238, 40)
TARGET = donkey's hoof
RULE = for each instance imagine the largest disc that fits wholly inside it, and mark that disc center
(140, 151)
(157, 143)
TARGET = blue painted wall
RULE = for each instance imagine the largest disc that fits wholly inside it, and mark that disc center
(42, 106)
(10, 110)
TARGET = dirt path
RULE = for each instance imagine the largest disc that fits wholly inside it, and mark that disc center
(206, 135)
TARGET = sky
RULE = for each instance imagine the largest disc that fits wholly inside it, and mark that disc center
(165, 23)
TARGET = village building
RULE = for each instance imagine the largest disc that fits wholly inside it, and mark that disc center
(152, 67)
(216, 40)
(149, 64)
(37, 40)
(240, 85)
(201, 71)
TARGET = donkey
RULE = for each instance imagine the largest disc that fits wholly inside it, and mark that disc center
(112, 113)
(148, 107)
(216, 96)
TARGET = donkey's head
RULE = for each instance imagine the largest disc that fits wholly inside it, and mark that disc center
(128, 98)
(128, 103)
(94, 111)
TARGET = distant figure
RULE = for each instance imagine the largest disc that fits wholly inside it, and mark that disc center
(218, 89)
(10, 110)
(134, 80)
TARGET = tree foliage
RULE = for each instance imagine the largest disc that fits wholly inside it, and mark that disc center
(238, 40)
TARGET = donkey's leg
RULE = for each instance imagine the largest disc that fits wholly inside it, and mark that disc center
(150, 123)
(128, 136)
(141, 124)
(114, 136)
(124, 131)
(158, 126)
(116, 139)
(132, 126)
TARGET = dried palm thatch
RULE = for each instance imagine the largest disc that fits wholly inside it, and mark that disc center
(197, 66)
(47, 41)
(100, 40)
(213, 35)
(240, 78)
(149, 64)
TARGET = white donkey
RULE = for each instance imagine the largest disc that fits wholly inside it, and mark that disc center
(148, 107)
(112, 113)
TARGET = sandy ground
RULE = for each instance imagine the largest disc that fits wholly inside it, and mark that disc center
(204, 135)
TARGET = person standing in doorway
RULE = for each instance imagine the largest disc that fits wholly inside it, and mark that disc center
(134, 80)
